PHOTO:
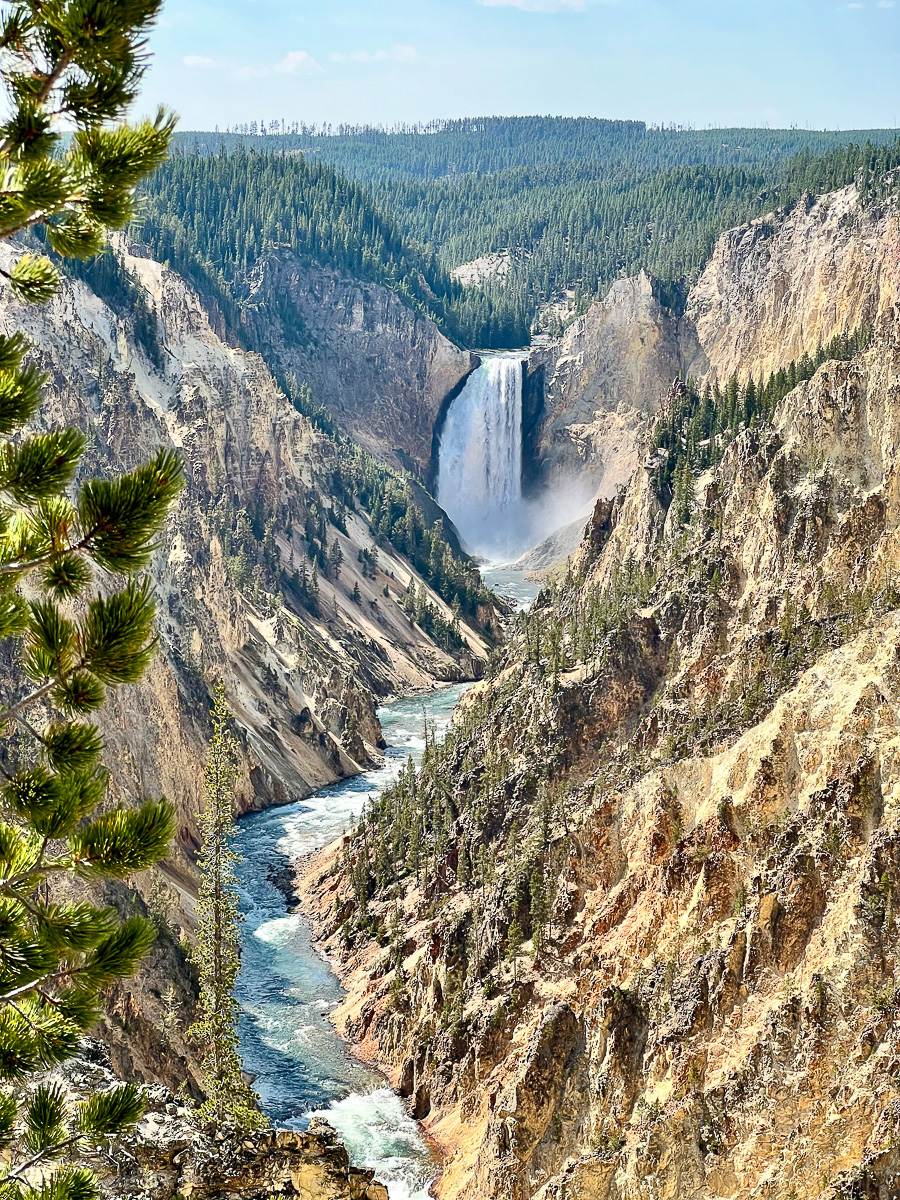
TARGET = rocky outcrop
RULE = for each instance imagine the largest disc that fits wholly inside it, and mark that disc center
(601, 383)
(553, 550)
(381, 370)
(682, 788)
(488, 268)
(786, 284)
(171, 1154)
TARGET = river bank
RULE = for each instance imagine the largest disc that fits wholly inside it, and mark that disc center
(287, 991)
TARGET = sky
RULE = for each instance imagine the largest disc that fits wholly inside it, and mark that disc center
(692, 62)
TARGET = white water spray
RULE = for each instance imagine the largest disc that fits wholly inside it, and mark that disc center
(480, 463)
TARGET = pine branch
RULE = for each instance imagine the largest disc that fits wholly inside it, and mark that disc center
(54, 1151)
(9, 713)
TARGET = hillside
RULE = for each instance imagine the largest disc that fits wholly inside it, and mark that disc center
(217, 218)
(645, 886)
(273, 574)
(576, 203)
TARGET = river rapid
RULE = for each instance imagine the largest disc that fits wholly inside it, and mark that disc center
(286, 989)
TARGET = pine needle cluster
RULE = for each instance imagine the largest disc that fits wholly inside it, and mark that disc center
(73, 67)
(72, 596)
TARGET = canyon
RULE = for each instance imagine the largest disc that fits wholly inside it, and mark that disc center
(650, 947)
(693, 733)
(304, 677)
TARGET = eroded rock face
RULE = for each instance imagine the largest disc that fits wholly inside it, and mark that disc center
(782, 286)
(601, 383)
(715, 1012)
(380, 369)
(244, 445)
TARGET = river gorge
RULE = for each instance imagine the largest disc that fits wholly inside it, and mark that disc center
(286, 990)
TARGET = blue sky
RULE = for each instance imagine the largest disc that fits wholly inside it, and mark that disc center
(700, 62)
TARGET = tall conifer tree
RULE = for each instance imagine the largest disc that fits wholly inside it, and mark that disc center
(229, 1099)
(66, 65)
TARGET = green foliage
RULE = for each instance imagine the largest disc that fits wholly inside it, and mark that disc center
(488, 145)
(77, 66)
(695, 428)
(71, 66)
(576, 203)
(203, 216)
(51, 1130)
(514, 940)
(216, 953)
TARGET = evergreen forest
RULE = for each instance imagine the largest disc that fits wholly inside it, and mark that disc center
(574, 204)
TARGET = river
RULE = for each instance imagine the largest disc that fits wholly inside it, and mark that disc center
(512, 583)
(286, 989)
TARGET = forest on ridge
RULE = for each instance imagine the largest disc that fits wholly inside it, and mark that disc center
(575, 203)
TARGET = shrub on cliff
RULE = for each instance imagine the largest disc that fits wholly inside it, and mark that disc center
(69, 65)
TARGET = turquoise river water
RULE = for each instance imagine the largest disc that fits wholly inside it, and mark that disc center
(286, 990)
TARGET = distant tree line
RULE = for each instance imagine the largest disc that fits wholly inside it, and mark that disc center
(577, 202)
(485, 145)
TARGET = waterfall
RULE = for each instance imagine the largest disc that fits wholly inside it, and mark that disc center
(480, 460)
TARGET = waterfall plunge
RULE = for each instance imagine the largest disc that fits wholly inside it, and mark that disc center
(480, 461)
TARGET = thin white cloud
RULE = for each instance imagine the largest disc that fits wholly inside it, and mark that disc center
(886, 4)
(856, 6)
(298, 62)
(548, 6)
(198, 62)
(295, 62)
(403, 54)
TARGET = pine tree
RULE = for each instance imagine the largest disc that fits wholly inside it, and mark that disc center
(540, 906)
(70, 66)
(514, 940)
(336, 559)
(216, 953)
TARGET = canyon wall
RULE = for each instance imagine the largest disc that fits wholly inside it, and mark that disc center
(780, 287)
(303, 677)
(601, 384)
(381, 369)
(775, 289)
(681, 790)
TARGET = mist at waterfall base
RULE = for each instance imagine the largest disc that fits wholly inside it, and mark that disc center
(479, 482)
(286, 989)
